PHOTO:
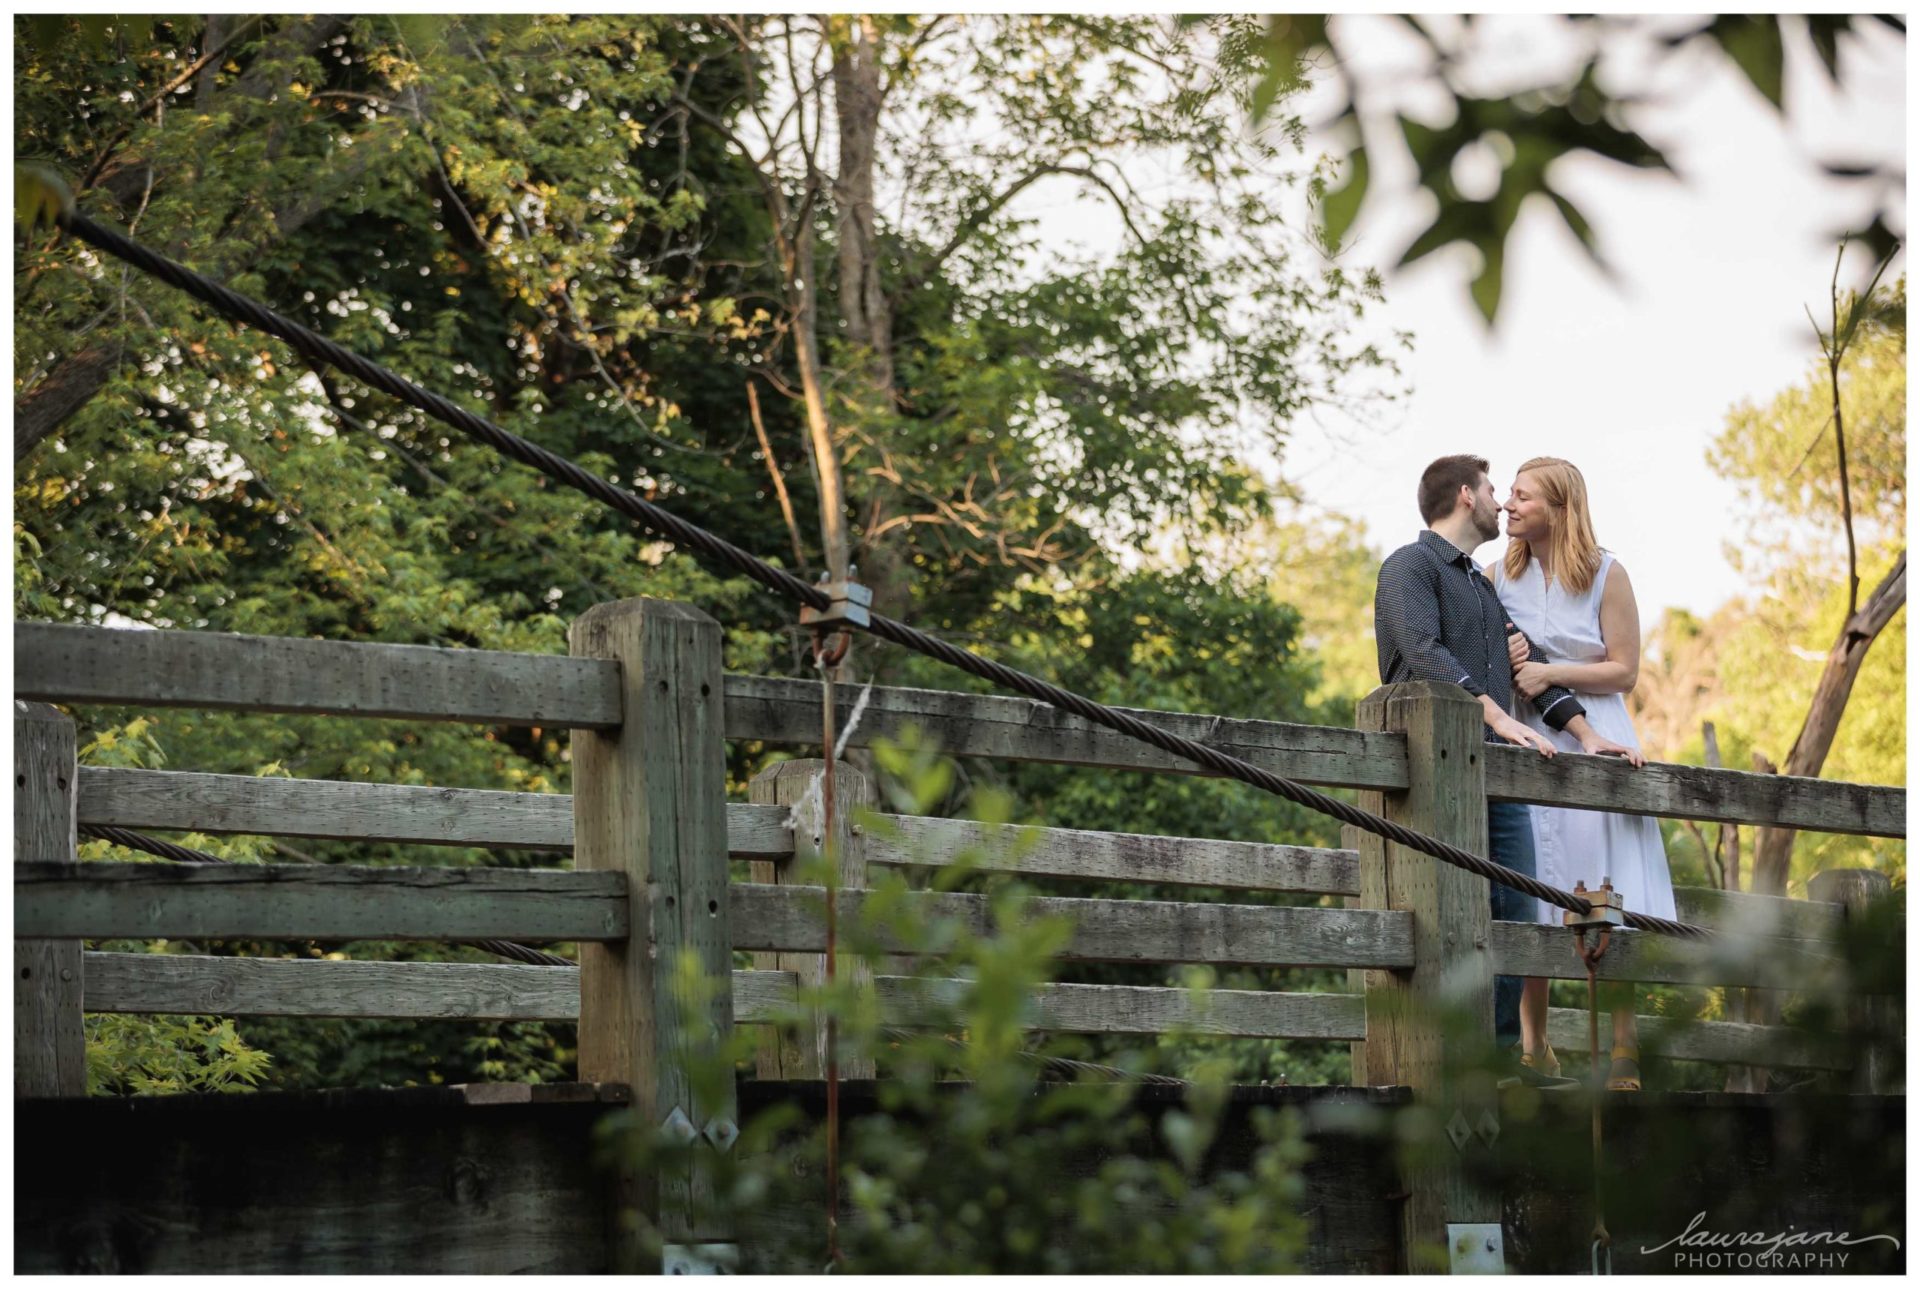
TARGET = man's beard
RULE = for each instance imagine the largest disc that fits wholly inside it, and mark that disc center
(1487, 525)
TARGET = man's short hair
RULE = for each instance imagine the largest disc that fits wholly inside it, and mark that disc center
(1440, 484)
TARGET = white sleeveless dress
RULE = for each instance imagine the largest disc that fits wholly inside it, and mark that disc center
(1584, 845)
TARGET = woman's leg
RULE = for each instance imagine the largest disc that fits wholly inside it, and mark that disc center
(1626, 1027)
(1533, 1016)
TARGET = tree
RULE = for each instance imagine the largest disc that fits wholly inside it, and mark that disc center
(993, 412)
(532, 217)
(494, 242)
(1877, 326)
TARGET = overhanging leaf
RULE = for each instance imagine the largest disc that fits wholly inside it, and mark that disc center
(1581, 229)
(1339, 207)
(40, 196)
(1458, 221)
(1289, 37)
(1486, 287)
(1753, 43)
(1824, 29)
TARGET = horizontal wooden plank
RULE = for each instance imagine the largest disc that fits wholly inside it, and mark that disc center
(1758, 915)
(792, 918)
(236, 803)
(60, 662)
(1128, 857)
(1529, 949)
(787, 712)
(65, 663)
(314, 902)
(268, 807)
(1695, 792)
(1723, 1042)
(156, 983)
(207, 986)
(1129, 1009)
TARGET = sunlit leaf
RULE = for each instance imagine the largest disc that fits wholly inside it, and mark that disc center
(40, 196)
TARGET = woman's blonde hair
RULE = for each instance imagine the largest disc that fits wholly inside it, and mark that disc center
(1576, 555)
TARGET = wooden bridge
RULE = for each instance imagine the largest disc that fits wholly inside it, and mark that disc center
(651, 833)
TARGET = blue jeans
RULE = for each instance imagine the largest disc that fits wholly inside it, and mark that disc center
(1510, 842)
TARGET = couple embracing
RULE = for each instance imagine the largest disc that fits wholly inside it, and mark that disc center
(1547, 637)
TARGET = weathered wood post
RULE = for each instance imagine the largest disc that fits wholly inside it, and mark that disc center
(792, 784)
(649, 800)
(49, 1044)
(1356, 839)
(1855, 890)
(1452, 975)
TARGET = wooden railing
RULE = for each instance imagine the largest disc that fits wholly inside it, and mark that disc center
(650, 835)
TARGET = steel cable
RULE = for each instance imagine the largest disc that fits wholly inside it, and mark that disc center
(317, 348)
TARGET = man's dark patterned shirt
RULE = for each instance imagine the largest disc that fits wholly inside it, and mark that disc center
(1437, 617)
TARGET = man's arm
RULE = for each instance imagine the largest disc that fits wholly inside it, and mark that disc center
(1406, 615)
(1556, 704)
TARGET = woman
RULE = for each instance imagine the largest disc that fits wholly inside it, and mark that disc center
(1574, 601)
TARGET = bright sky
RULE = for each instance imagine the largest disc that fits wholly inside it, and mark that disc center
(1628, 379)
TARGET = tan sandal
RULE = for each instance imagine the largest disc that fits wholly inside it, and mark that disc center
(1547, 1063)
(1624, 1076)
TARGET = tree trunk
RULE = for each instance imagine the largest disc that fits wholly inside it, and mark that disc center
(64, 391)
(1774, 850)
(858, 96)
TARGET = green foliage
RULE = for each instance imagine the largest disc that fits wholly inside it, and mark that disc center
(520, 213)
(146, 1054)
(1752, 667)
(971, 1163)
(40, 197)
(1571, 110)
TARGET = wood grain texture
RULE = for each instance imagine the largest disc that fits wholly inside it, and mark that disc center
(309, 901)
(787, 712)
(196, 985)
(200, 985)
(1450, 986)
(233, 803)
(1370, 882)
(800, 1051)
(1877, 1020)
(64, 662)
(1766, 916)
(1695, 792)
(82, 664)
(1719, 1041)
(650, 805)
(782, 917)
(906, 840)
(1129, 1009)
(49, 1044)
(1527, 949)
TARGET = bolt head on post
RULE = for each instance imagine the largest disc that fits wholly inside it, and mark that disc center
(851, 605)
(1607, 909)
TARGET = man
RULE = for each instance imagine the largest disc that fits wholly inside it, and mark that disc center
(1436, 617)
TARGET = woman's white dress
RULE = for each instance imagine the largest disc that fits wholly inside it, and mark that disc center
(1584, 845)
